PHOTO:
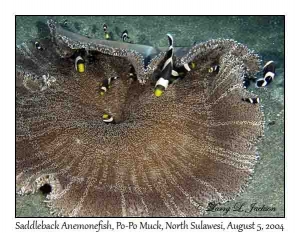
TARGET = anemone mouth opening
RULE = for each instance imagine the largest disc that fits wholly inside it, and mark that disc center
(46, 189)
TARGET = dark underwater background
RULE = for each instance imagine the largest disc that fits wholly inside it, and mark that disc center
(263, 34)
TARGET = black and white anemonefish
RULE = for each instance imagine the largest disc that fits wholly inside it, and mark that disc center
(79, 64)
(108, 118)
(268, 74)
(106, 84)
(38, 46)
(251, 100)
(106, 33)
(125, 36)
(165, 75)
(214, 69)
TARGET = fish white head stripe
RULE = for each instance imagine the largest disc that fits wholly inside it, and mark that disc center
(163, 82)
(271, 74)
(108, 120)
(76, 61)
(268, 63)
(104, 89)
(186, 66)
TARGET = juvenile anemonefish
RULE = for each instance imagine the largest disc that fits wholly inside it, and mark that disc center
(215, 69)
(38, 46)
(106, 33)
(165, 75)
(104, 27)
(268, 74)
(251, 100)
(108, 119)
(106, 84)
(79, 64)
(125, 36)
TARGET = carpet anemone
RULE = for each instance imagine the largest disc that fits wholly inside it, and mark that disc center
(164, 156)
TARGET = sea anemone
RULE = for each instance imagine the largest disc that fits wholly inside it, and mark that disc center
(164, 156)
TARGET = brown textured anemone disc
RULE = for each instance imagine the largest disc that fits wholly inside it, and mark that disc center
(166, 156)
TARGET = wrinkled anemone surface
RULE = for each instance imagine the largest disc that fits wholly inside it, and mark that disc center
(166, 156)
